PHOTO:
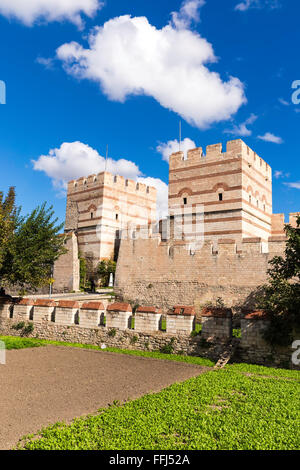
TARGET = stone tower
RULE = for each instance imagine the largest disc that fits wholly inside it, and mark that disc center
(100, 206)
(234, 189)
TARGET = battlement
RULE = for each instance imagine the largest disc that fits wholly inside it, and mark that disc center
(118, 182)
(234, 149)
(195, 249)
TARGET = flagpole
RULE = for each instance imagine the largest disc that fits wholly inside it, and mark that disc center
(179, 135)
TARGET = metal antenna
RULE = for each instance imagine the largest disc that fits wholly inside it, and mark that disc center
(179, 135)
(106, 158)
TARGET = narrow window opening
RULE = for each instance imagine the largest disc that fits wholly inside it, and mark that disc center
(250, 199)
(185, 201)
(117, 216)
(115, 179)
(220, 196)
(92, 215)
(31, 314)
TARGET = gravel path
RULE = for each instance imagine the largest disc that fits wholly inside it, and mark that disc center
(41, 386)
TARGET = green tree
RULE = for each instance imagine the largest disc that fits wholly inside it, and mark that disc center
(30, 246)
(105, 268)
(281, 297)
(9, 220)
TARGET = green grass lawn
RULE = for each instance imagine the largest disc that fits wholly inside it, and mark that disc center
(12, 342)
(224, 409)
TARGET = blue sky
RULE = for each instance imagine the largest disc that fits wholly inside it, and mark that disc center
(129, 86)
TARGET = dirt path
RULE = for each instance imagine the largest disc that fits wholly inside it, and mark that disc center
(41, 386)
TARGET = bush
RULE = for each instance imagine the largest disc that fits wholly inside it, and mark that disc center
(112, 332)
(168, 348)
(28, 329)
(19, 326)
(134, 339)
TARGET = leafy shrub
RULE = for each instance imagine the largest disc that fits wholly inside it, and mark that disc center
(134, 339)
(19, 326)
(28, 329)
(112, 332)
(168, 348)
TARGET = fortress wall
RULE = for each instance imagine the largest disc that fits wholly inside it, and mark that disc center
(164, 274)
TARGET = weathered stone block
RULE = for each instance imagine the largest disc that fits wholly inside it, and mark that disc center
(23, 310)
(216, 324)
(253, 327)
(181, 320)
(147, 319)
(6, 309)
(67, 312)
(44, 310)
(91, 315)
(118, 315)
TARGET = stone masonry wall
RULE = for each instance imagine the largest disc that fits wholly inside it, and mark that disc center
(164, 274)
(250, 348)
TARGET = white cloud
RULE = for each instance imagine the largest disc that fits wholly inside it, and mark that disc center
(283, 102)
(48, 63)
(30, 11)
(268, 137)
(278, 174)
(75, 159)
(188, 13)
(172, 146)
(72, 160)
(128, 56)
(293, 185)
(248, 4)
(242, 129)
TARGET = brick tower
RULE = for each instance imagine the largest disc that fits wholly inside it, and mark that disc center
(100, 206)
(234, 187)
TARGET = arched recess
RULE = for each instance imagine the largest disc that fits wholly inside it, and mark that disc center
(187, 191)
(92, 210)
(223, 186)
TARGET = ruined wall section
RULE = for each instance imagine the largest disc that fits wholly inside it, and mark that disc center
(66, 268)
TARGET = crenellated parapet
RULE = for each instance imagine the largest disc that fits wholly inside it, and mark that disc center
(214, 153)
(96, 181)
